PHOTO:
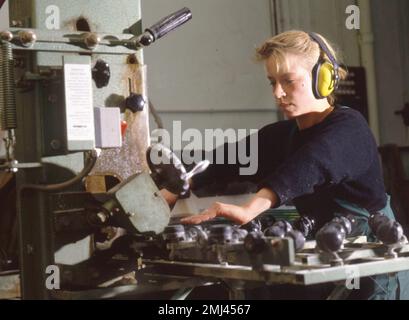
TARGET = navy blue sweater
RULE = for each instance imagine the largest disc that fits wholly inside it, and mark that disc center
(335, 159)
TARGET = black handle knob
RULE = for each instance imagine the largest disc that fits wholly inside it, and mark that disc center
(165, 25)
(305, 225)
(386, 230)
(283, 228)
(330, 237)
(135, 102)
(101, 73)
(298, 238)
(278, 229)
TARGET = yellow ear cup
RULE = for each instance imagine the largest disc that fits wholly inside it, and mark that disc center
(326, 79)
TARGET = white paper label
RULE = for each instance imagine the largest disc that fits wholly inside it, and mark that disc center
(78, 99)
(4, 15)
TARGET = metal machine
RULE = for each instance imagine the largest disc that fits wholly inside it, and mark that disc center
(90, 221)
(74, 116)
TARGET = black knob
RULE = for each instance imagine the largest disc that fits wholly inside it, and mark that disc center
(298, 238)
(101, 73)
(390, 232)
(278, 229)
(345, 223)
(330, 237)
(305, 225)
(376, 220)
(386, 230)
(253, 225)
(135, 102)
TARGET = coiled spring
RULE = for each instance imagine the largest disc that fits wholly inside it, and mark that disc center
(8, 114)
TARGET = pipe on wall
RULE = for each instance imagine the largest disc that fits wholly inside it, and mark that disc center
(366, 46)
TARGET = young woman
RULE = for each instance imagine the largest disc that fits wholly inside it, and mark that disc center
(323, 159)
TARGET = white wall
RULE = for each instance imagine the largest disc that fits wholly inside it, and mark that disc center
(203, 73)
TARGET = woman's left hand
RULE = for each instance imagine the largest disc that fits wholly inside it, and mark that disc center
(235, 213)
(260, 202)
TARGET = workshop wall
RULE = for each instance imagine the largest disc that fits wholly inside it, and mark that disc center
(392, 66)
(205, 74)
(205, 77)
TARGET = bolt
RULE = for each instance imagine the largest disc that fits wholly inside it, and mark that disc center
(91, 40)
(27, 38)
(132, 59)
(6, 36)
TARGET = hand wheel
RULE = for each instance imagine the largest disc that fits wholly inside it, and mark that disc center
(168, 171)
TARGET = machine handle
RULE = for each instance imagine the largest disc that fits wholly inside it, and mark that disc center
(200, 167)
(165, 25)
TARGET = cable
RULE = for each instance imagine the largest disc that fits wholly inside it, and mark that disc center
(155, 115)
(63, 185)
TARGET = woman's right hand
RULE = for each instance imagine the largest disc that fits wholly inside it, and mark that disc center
(169, 197)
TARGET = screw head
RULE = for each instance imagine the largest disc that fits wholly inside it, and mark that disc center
(91, 40)
(27, 38)
(6, 35)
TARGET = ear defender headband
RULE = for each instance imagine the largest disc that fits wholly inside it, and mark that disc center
(325, 76)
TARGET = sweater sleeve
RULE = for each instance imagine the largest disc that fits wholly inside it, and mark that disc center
(341, 150)
(248, 153)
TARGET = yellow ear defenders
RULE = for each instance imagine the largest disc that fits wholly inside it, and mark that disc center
(325, 76)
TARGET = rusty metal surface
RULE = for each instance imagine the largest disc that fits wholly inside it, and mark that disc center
(130, 158)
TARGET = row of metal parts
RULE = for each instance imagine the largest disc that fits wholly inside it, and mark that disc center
(232, 234)
(330, 238)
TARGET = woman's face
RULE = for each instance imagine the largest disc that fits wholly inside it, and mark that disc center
(292, 87)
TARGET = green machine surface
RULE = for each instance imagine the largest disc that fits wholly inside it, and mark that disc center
(41, 132)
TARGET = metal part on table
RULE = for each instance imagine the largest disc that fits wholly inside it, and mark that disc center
(304, 271)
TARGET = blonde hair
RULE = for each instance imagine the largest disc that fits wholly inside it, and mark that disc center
(298, 43)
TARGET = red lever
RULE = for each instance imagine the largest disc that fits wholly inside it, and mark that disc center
(124, 125)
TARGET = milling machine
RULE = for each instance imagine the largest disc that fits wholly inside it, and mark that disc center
(90, 221)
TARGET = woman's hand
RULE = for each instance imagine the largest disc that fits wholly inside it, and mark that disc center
(263, 200)
(236, 213)
(169, 197)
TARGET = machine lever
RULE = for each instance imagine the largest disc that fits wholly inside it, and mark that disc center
(165, 25)
(200, 167)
